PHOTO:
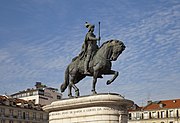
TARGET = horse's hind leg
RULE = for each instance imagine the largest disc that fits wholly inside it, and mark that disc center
(76, 80)
(72, 81)
(76, 90)
(70, 90)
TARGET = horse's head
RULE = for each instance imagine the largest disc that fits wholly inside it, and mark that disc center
(111, 49)
(117, 47)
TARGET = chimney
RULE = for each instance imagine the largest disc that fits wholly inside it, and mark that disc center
(149, 102)
(161, 105)
(38, 84)
(174, 101)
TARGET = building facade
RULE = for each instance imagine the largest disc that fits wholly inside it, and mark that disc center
(40, 95)
(21, 111)
(165, 111)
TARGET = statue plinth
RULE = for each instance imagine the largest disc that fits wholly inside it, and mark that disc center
(100, 108)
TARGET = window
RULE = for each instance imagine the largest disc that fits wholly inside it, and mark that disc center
(11, 112)
(137, 116)
(14, 96)
(24, 115)
(162, 114)
(19, 114)
(145, 115)
(35, 93)
(153, 114)
(10, 121)
(24, 95)
(177, 114)
(27, 115)
(2, 121)
(41, 116)
(20, 95)
(129, 116)
(30, 93)
(142, 116)
(41, 92)
(34, 100)
(34, 115)
(171, 113)
(47, 94)
(43, 98)
(150, 115)
(2, 111)
(158, 115)
(167, 114)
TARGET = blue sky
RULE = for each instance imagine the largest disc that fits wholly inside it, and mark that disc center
(38, 39)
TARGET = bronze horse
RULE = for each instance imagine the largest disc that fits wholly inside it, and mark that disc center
(99, 65)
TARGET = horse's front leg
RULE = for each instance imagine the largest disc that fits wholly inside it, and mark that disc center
(95, 75)
(115, 73)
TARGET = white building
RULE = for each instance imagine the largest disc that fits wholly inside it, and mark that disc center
(165, 111)
(20, 111)
(40, 95)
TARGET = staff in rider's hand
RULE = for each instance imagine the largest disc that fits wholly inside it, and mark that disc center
(99, 35)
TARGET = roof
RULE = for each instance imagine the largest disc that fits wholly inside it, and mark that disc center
(39, 86)
(164, 104)
(135, 108)
(3, 97)
(25, 91)
(15, 102)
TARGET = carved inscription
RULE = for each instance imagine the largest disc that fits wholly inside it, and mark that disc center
(78, 111)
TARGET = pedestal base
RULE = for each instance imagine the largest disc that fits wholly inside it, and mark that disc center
(101, 108)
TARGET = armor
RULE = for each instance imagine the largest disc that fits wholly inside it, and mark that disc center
(90, 46)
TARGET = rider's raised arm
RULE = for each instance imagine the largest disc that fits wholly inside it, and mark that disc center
(91, 37)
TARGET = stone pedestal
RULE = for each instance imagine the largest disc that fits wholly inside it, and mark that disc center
(100, 108)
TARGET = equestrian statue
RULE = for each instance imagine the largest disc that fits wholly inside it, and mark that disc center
(92, 61)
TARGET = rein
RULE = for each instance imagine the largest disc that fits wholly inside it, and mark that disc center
(103, 58)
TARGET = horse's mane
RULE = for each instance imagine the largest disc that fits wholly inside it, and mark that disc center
(109, 41)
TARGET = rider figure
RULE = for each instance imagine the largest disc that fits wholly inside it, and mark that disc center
(90, 46)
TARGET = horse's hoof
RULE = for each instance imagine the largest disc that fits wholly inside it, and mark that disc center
(71, 96)
(108, 82)
(94, 92)
(77, 94)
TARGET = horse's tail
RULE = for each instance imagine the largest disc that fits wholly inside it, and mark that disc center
(66, 80)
